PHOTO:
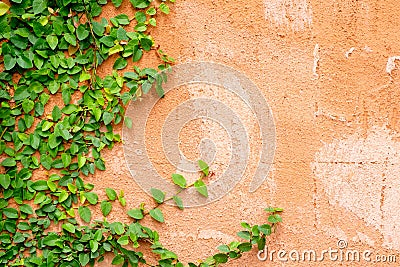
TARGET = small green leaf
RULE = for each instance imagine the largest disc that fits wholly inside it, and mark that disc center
(220, 258)
(81, 32)
(3, 8)
(10, 213)
(66, 159)
(178, 202)
(56, 113)
(84, 259)
(105, 207)
(158, 195)
(91, 197)
(123, 240)
(201, 188)
(157, 215)
(69, 227)
(70, 38)
(203, 167)
(107, 117)
(140, 17)
(39, 6)
(25, 208)
(81, 160)
(5, 180)
(85, 213)
(245, 247)
(274, 218)
(135, 214)
(224, 248)
(117, 260)
(128, 122)
(111, 194)
(63, 196)
(115, 49)
(116, 3)
(40, 185)
(52, 41)
(9, 162)
(244, 234)
(164, 8)
(120, 63)
(47, 125)
(179, 180)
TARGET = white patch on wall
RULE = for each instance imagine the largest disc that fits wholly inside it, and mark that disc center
(391, 64)
(362, 175)
(294, 14)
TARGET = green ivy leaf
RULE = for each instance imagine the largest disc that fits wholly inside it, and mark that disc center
(203, 167)
(25, 208)
(69, 227)
(40, 185)
(5, 180)
(244, 234)
(3, 8)
(158, 195)
(224, 248)
(91, 197)
(70, 38)
(52, 40)
(179, 180)
(120, 63)
(111, 194)
(81, 32)
(140, 3)
(164, 8)
(63, 196)
(9, 162)
(39, 6)
(116, 3)
(9, 62)
(178, 202)
(10, 213)
(27, 105)
(117, 260)
(135, 214)
(244, 247)
(157, 215)
(84, 259)
(220, 258)
(85, 214)
(123, 240)
(201, 188)
(107, 117)
(105, 207)
(128, 122)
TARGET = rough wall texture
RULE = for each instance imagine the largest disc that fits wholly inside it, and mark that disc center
(329, 71)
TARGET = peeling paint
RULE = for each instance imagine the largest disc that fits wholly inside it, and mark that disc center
(349, 52)
(391, 64)
(216, 235)
(316, 60)
(356, 172)
(364, 239)
(294, 14)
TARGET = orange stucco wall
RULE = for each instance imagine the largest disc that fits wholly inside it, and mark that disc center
(329, 73)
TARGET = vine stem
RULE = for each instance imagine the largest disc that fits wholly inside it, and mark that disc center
(96, 48)
(4, 131)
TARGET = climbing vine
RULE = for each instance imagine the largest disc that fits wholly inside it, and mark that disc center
(50, 53)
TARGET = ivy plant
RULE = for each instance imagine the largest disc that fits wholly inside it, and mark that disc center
(57, 114)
